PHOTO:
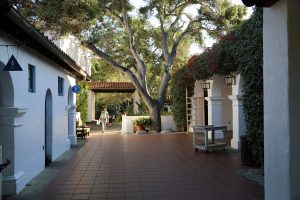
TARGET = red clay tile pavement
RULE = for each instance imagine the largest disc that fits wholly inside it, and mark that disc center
(150, 167)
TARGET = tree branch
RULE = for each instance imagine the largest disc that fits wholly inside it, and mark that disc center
(140, 63)
(178, 16)
(120, 68)
(164, 35)
(113, 14)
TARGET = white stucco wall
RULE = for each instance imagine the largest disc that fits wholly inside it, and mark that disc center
(167, 123)
(29, 138)
(71, 46)
(281, 100)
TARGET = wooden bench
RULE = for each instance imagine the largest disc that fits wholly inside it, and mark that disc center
(82, 131)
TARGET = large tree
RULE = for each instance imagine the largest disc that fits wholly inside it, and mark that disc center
(136, 41)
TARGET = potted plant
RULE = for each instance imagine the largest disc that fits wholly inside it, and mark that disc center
(142, 123)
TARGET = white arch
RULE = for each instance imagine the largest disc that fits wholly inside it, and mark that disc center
(48, 126)
(71, 117)
(6, 88)
(215, 103)
(238, 118)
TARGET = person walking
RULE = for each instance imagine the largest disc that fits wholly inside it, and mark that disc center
(104, 118)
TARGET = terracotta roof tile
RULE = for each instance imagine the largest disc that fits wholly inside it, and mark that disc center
(111, 86)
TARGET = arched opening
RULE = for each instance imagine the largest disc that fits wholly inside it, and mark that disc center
(48, 127)
(6, 88)
(7, 118)
(205, 108)
(70, 119)
(238, 118)
(227, 112)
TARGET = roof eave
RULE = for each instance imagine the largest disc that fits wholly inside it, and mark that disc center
(69, 64)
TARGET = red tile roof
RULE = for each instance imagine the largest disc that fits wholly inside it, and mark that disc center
(111, 86)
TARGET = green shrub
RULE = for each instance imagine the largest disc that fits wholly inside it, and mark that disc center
(82, 101)
(142, 121)
(181, 81)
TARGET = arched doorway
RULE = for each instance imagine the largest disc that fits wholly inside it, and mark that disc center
(71, 117)
(6, 88)
(48, 127)
(7, 117)
(205, 108)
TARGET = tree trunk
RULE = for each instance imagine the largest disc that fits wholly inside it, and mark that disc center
(155, 116)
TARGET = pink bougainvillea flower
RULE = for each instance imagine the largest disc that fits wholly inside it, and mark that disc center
(192, 60)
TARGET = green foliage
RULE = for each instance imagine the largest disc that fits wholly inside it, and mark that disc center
(142, 121)
(219, 59)
(182, 79)
(115, 102)
(166, 113)
(142, 108)
(249, 53)
(240, 51)
(140, 49)
(82, 101)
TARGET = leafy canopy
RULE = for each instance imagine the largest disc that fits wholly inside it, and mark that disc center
(130, 42)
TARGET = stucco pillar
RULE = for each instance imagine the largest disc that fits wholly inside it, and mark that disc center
(10, 124)
(238, 120)
(136, 101)
(198, 105)
(198, 111)
(72, 124)
(91, 106)
(281, 100)
(215, 114)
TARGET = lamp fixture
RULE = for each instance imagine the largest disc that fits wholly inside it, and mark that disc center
(230, 80)
(205, 85)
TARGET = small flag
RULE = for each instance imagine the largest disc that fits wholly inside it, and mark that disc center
(12, 65)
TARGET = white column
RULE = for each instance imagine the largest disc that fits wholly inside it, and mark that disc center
(72, 124)
(136, 99)
(198, 105)
(10, 123)
(281, 100)
(238, 120)
(215, 114)
(91, 106)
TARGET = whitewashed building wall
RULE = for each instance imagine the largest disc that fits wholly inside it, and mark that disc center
(29, 137)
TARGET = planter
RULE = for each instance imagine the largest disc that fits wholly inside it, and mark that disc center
(139, 128)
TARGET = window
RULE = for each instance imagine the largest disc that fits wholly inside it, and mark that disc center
(60, 86)
(31, 78)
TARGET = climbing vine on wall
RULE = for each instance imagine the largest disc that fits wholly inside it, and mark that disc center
(82, 101)
(182, 79)
(249, 55)
(240, 51)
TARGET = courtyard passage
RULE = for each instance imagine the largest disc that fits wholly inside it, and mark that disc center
(116, 166)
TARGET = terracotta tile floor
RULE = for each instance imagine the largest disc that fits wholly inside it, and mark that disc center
(150, 167)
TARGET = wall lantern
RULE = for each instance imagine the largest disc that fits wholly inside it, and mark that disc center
(205, 85)
(230, 80)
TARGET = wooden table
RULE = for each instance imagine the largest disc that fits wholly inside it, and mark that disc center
(208, 144)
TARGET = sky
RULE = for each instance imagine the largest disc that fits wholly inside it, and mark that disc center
(208, 42)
